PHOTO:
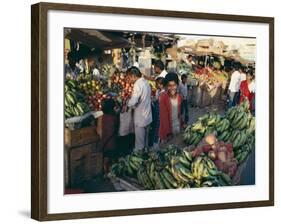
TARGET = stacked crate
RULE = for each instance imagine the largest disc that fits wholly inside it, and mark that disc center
(83, 160)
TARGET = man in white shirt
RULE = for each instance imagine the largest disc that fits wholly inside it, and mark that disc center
(159, 69)
(140, 101)
(243, 74)
(234, 87)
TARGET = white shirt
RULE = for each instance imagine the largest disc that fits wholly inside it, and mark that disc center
(183, 90)
(243, 76)
(252, 87)
(162, 74)
(175, 118)
(235, 81)
(141, 101)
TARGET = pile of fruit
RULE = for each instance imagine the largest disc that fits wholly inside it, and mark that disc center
(75, 101)
(209, 76)
(170, 168)
(121, 85)
(94, 91)
(221, 153)
(236, 127)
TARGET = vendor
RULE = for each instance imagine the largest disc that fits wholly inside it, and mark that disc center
(93, 70)
(71, 68)
(183, 89)
(140, 101)
(247, 89)
(190, 64)
(234, 86)
(170, 109)
(159, 71)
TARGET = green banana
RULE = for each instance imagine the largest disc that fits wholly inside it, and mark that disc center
(71, 97)
(197, 126)
(158, 181)
(223, 135)
(183, 177)
(237, 118)
(165, 181)
(197, 139)
(237, 140)
(80, 108)
(226, 178)
(210, 163)
(184, 161)
(188, 155)
(170, 178)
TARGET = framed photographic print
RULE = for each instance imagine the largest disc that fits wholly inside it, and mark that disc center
(138, 111)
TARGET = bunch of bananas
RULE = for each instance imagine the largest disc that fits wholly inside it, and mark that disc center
(236, 127)
(241, 132)
(206, 173)
(170, 169)
(74, 101)
(205, 125)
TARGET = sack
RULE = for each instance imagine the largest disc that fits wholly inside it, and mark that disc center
(126, 123)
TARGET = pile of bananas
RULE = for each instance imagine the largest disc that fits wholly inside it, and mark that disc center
(242, 131)
(170, 169)
(74, 101)
(237, 126)
(207, 124)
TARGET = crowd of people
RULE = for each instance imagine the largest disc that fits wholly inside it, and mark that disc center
(156, 120)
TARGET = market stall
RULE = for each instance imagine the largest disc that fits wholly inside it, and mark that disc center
(190, 162)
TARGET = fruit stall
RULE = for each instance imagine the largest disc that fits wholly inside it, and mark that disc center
(213, 152)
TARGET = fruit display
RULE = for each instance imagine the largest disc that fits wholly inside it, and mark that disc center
(221, 153)
(75, 101)
(210, 76)
(237, 127)
(94, 91)
(170, 168)
(121, 85)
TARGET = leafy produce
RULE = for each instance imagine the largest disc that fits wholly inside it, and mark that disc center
(171, 168)
(75, 101)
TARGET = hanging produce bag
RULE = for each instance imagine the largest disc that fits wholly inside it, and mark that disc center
(126, 123)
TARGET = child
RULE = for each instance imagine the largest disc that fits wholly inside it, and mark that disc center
(183, 92)
(155, 113)
(107, 130)
(170, 108)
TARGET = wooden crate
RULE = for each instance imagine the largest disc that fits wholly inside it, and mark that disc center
(74, 138)
(84, 163)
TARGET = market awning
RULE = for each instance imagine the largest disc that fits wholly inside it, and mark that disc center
(97, 39)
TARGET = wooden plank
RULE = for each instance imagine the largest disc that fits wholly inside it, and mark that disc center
(83, 136)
